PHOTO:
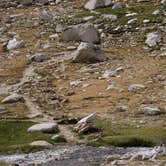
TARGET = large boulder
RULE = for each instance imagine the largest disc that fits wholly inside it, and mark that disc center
(94, 4)
(82, 32)
(153, 39)
(44, 127)
(88, 53)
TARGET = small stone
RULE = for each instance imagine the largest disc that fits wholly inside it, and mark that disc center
(39, 57)
(135, 87)
(3, 110)
(156, 12)
(121, 108)
(153, 39)
(12, 98)
(117, 6)
(70, 48)
(152, 111)
(14, 44)
(132, 21)
(110, 17)
(40, 143)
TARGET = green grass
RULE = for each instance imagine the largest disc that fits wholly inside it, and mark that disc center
(60, 139)
(127, 136)
(144, 11)
(15, 138)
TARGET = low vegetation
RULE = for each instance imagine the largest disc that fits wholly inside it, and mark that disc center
(14, 137)
(127, 136)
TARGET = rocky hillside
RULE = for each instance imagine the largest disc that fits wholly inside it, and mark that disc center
(89, 73)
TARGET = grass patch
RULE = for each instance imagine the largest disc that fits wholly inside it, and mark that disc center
(25, 149)
(144, 11)
(14, 137)
(127, 136)
(60, 139)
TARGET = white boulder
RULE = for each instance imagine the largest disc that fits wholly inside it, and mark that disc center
(44, 127)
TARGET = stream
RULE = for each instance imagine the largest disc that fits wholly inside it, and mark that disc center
(75, 155)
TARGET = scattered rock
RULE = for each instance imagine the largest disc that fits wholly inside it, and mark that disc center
(152, 111)
(117, 6)
(39, 57)
(12, 98)
(94, 4)
(14, 44)
(153, 39)
(132, 21)
(44, 127)
(110, 17)
(3, 110)
(163, 2)
(121, 108)
(135, 87)
(88, 53)
(82, 32)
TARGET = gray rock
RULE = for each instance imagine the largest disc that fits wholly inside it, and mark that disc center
(94, 4)
(152, 111)
(58, 1)
(163, 2)
(59, 28)
(40, 143)
(110, 17)
(14, 44)
(39, 57)
(88, 53)
(117, 6)
(12, 98)
(153, 39)
(26, 2)
(157, 12)
(82, 32)
(135, 87)
(46, 127)
(132, 21)
(121, 108)
(3, 110)
(87, 119)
